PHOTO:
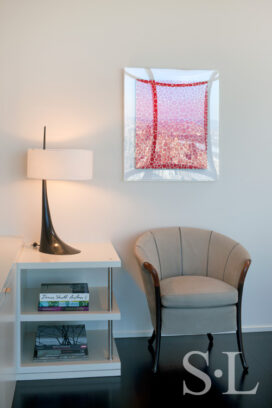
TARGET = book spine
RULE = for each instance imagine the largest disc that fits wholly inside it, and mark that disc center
(61, 357)
(64, 297)
(81, 347)
(63, 309)
(59, 354)
(64, 304)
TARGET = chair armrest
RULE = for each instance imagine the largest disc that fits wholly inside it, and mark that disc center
(154, 301)
(151, 282)
(243, 277)
(150, 268)
(237, 266)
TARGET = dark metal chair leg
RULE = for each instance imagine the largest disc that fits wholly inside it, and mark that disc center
(156, 335)
(157, 351)
(240, 338)
(158, 330)
(152, 338)
(210, 337)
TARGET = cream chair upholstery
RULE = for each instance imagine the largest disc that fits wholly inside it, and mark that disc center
(193, 280)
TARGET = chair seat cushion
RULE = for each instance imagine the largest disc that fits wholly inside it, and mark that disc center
(196, 291)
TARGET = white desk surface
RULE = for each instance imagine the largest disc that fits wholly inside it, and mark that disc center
(10, 248)
(94, 255)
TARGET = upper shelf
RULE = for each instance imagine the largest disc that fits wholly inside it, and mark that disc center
(98, 308)
(92, 255)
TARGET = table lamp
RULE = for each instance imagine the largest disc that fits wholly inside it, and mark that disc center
(56, 164)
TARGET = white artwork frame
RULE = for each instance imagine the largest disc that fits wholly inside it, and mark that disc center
(131, 173)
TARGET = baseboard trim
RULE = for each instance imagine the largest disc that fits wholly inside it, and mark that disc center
(148, 333)
(248, 329)
(132, 333)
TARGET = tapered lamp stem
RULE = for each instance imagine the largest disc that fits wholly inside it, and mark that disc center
(50, 243)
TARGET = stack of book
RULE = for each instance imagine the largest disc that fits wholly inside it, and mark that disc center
(61, 342)
(60, 297)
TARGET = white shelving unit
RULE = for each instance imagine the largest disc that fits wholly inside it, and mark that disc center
(34, 268)
(10, 247)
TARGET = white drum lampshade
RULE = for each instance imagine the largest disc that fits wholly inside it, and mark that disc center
(56, 164)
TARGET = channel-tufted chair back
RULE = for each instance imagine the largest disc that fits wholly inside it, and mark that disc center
(178, 251)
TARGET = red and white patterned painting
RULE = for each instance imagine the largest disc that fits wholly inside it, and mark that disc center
(171, 124)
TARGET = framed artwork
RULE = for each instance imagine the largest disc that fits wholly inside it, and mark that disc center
(171, 120)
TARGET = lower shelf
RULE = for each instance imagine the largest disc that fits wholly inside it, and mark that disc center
(97, 364)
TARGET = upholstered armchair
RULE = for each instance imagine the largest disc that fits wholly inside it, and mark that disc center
(193, 281)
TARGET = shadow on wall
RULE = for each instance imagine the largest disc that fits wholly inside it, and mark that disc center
(129, 261)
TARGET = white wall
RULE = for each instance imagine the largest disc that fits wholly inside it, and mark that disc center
(61, 65)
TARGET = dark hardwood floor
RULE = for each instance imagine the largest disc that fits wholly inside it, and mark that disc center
(139, 387)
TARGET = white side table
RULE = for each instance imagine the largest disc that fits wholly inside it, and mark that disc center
(10, 247)
(34, 268)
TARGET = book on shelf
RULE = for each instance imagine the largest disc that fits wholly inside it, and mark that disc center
(61, 335)
(54, 355)
(65, 292)
(81, 347)
(66, 354)
(61, 342)
(63, 304)
(82, 306)
(63, 308)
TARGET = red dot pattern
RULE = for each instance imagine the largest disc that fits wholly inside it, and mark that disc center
(171, 125)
